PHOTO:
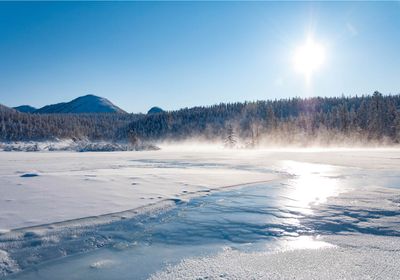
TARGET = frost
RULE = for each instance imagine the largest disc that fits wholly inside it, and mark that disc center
(7, 265)
(73, 146)
(209, 214)
(367, 257)
(101, 264)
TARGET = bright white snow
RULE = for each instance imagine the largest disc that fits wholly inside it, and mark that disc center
(356, 257)
(75, 185)
(350, 197)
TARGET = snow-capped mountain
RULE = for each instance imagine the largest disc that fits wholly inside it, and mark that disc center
(25, 109)
(84, 104)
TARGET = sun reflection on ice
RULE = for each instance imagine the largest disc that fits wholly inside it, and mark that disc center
(311, 185)
(304, 242)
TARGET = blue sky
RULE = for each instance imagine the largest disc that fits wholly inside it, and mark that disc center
(183, 54)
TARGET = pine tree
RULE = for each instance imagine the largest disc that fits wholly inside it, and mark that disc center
(230, 140)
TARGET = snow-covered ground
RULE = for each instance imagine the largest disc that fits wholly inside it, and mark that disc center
(73, 146)
(356, 236)
(344, 202)
(43, 188)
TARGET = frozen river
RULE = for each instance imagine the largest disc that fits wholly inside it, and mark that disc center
(307, 215)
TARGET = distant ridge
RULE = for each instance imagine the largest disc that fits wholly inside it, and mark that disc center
(25, 109)
(6, 109)
(84, 104)
(155, 110)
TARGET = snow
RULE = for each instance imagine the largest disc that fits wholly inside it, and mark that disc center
(101, 264)
(332, 213)
(76, 185)
(83, 104)
(7, 265)
(367, 257)
(360, 240)
(72, 146)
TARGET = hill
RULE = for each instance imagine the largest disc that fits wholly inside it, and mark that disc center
(155, 110)
(5, 109)
(84, 104)
(25, 109)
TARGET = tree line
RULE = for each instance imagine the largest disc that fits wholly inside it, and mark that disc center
(326, 119)
(17, 126)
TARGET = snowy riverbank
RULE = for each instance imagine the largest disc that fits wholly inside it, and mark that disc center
(323, 207)
(69, 145)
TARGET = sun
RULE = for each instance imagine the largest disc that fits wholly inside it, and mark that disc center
(308, 58)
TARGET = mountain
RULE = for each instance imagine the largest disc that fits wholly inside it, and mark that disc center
(155, 110)
(5, 109)
(84, 104)
(25, 109)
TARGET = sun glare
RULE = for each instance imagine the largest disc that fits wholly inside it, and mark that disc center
(308, 58)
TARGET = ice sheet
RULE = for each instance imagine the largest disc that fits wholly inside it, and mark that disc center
(342, 207)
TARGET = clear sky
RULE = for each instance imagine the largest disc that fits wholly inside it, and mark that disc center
(183, 54)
